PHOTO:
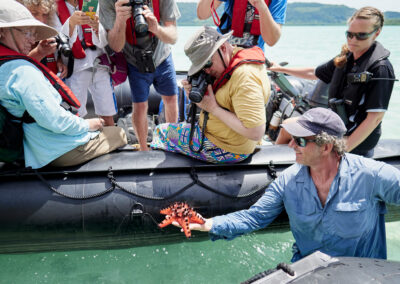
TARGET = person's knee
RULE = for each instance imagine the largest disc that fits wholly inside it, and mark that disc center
(140, 108)
(170, 100)
(115, 134)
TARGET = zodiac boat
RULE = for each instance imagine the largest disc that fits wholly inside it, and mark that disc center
(322, 268)
(115, 200)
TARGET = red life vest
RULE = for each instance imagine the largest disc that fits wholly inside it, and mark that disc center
(239, 15)
(51, 63)
(252, 55)
(77, 49)
(130, 33)
(65, 92)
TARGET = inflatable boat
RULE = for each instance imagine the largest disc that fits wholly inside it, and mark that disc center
(115, 200)
(321, 268)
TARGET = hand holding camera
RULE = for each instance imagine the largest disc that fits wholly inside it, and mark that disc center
(46, 47)
(138, 7)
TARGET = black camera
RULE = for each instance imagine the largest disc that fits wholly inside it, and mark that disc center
(63, 45)
(141, 26)
(199, 82)
(144, 61)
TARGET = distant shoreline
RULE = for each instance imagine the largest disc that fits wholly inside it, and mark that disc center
(304, 14)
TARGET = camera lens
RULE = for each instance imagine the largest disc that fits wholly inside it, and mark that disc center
(141, 25)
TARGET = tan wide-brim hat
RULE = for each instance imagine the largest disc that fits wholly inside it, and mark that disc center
(202, 45)
(14, 14)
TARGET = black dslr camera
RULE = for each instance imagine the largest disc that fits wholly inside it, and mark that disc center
(63, 45)
(199, 82)
(141, 26)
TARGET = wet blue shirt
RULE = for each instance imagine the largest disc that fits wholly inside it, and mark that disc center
(350, 224)
(56, 131)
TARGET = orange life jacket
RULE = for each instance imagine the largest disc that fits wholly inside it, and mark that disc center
(77, 48)
(65, 92)
(239, 16)
(252, 55)
(130, 23)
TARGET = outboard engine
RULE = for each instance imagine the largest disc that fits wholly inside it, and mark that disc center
(291, 97)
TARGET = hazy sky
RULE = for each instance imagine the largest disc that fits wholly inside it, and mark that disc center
(384, 5)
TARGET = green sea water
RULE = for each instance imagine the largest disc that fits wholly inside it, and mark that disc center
(199, 260)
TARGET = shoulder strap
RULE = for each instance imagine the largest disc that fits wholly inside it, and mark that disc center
(253, 55)
(67, 95)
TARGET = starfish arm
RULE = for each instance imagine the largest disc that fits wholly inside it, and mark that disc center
(167, 221)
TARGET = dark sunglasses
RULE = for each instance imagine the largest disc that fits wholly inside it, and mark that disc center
(359, 36)
(208, 64)
(301, 141)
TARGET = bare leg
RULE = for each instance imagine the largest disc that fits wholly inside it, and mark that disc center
(171, 108)
(140, 123)
(108, 120)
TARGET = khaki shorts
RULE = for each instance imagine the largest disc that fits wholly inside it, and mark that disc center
(109, 139)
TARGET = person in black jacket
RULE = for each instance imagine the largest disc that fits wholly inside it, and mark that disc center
(361, 81)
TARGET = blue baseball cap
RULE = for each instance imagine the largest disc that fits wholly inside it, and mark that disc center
(314, 121)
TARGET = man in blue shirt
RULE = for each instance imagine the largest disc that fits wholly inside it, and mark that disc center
(335, 201)
(248, 19)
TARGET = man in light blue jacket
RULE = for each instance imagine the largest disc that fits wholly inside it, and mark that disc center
(335, 201)
(56, 136)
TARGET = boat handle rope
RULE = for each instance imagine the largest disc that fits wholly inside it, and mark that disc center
(137, 210)
(75, 197)
(196, 180)
(193, 175)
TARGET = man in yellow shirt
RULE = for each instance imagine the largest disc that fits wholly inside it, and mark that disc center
(232, 120)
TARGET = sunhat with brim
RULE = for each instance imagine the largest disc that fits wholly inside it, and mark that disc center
(14, 14)
(315, 121)
(202, 45)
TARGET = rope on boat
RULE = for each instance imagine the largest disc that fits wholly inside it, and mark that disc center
(75, 197)
(193, 175)
(197, 181)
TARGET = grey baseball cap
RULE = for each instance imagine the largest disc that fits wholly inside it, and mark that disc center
(314, 121)
(202, 45)
(14, 14)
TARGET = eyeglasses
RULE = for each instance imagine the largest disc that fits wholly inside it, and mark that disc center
(360, 36)
(301, 141)
(208, 64)
(27, 33)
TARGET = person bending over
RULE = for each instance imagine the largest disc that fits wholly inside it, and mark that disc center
(362, 105)
(53, 135)
(335, 201)
(232, 120)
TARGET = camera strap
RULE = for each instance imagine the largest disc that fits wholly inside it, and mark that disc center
(193, 110)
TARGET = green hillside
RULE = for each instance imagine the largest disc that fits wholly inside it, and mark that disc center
(297, 14)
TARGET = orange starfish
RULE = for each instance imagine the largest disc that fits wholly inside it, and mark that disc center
(182, 213)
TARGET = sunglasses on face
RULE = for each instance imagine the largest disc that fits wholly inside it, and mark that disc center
(301, 141)
(208, 64)
(359, 36)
